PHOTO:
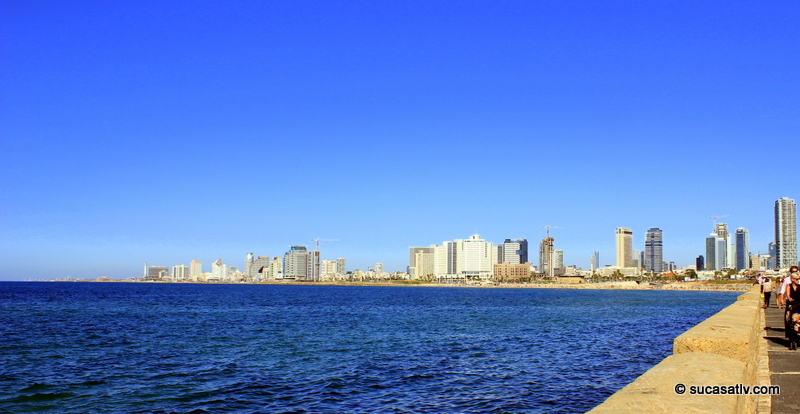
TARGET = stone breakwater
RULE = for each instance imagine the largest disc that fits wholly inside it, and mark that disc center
(726, 349)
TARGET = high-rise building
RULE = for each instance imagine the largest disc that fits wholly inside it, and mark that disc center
(379, 270)
(786, 232)
(700, 263)
(722, 254)
(195, 269)
(624, 247)
(558, 259)
(328, 271)
(595, 261)
(546, 256)
(341, 266)
(259, 268)
(711, 252)
(653, 250)
(219, 270)
(248, 261)
(742, 249)
(773, 255)
(477, 258)
(421, 261)
(513, 251)
(180, 272)
(276, 268)
(301, 263)
(723, 258)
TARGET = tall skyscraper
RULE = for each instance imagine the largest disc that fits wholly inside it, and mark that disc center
(786, 232)
(546, 256)
(742, 249)
(723, 258)
(653, 250)
(513, 251)
(624, 247)
(595, 261)
(699, 263)
(711, 252)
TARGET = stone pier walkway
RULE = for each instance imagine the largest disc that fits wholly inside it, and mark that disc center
(784, 365)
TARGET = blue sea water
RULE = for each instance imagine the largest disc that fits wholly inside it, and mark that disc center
(186, 348)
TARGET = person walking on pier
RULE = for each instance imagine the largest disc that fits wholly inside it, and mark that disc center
(792, 298)
(786, 281)
(766, 290)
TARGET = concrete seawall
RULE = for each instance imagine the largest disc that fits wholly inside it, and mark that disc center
(726, 349)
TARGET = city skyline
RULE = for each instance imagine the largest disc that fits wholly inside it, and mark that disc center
(166, 133)
(725, 250)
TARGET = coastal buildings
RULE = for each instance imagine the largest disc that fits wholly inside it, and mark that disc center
(328, 269)
(195, 269)
(157, 272)
(773, 255)
(722, 246)
(421, 262)
(546, 256)
(248, 261)
(653, 250)
(785, 232)
(742, 251)
(558, 259)
(276, 268)
(180, 272)
(506, 272)
(301, 263)
(513, 251)
(476, 258)
(624, 247)
(465, 259)
(258, 268)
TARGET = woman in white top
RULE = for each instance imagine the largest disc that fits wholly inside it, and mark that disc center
(766, 290)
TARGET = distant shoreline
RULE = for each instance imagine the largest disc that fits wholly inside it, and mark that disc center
(628, 285)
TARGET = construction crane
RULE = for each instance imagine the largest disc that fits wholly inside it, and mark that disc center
(550, 227)
(319, 240)
(715, 221)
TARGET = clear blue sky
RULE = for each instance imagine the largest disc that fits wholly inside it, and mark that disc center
(170, 131)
